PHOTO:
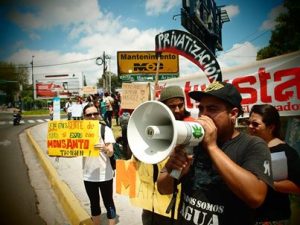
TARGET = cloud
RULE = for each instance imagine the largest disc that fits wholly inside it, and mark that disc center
(94, 32)
(125, 39)
(106, 23)
(156, 7)
(270, 23)
(239, 54)
(232, 10)
(46, 14)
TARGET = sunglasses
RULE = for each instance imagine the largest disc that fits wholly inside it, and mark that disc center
(92, 114)
(253, 123)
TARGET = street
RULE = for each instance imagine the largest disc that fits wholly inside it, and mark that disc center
(20, 203)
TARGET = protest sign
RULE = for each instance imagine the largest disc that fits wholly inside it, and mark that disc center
(71, 138)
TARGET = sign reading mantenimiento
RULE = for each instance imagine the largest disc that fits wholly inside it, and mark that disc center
(142, 65)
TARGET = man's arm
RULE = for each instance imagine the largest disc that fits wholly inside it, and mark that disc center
(178, 160)
(240, 181)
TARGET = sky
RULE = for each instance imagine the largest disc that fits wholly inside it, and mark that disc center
(66, 36)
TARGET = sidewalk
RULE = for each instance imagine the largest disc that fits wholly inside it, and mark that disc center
(65, 175)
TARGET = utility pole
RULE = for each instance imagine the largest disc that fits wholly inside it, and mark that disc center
(102, 60)
(32, 77)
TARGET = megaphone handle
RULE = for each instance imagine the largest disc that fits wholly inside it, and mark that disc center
(175, 174)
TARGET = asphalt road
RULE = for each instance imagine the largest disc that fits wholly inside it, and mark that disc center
(19, 202)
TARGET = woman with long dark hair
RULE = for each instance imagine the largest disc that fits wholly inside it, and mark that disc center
(264, 122)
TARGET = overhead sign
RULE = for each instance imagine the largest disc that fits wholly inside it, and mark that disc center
(142, 65)
(60, 85)
(189, 46)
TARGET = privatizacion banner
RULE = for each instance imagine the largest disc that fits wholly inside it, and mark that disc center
(189, 46)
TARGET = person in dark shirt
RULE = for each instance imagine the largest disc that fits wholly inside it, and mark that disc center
(264, 122)
(228, 175)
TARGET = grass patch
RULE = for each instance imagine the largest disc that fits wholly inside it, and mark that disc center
(38, 112)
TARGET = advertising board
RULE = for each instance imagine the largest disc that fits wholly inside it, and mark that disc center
(61, 85)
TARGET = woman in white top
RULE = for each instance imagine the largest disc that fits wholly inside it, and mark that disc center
(98, 173)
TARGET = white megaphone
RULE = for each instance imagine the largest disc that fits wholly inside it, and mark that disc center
(153, 132)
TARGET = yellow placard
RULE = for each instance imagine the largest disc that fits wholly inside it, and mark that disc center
(135, 180)
(71, 138)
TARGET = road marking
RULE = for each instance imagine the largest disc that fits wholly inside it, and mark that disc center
(23, 121)
(27, 121)
(5, 142)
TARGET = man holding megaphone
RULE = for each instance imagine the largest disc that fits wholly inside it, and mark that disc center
(173, 97)
(227, 176)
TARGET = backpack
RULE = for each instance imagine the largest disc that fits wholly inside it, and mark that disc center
(124, 118)
(112, 158)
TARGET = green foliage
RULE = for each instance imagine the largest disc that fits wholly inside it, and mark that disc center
(115, 82)
(12, 77)
(36, 112)
(286, 35)
(84, 81)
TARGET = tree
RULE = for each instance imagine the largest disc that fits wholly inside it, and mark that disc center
(115, 82)
(84, 81)
(285, 37)
(12, 79)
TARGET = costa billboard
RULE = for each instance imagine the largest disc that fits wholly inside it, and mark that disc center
(143, 65)
(273, 81)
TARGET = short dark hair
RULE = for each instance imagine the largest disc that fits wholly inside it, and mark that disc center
(90, 104)
(270, 116)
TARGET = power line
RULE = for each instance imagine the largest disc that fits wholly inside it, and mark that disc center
(242, 45)
(49, 65)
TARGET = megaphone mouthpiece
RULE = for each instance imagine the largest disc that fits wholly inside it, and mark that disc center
(159, 132)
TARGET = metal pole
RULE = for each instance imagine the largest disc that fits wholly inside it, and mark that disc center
(99, 61)
(156, 86)
(32, 77)
(104, 73)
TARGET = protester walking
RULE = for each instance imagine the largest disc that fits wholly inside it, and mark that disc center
(98, 172)
(116, 106)
(68, 109)
(109, 101)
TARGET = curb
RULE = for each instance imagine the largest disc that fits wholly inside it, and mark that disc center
(71, 206)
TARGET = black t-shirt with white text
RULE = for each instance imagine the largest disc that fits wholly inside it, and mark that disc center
(206, 199)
